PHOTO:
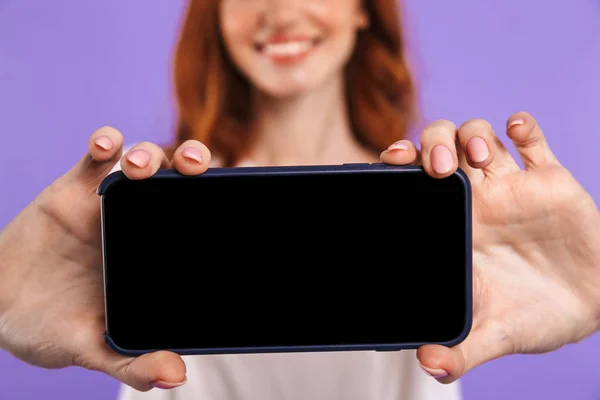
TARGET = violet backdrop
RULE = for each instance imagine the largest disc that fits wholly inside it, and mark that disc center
(68, 67)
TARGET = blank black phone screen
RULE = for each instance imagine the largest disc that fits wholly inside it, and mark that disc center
(286, 260)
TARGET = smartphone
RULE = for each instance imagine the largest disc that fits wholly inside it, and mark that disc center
(286, 259)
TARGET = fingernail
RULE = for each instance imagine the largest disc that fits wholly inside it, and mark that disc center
(478, 149)
(515, 122)
(435, 372)
(167, 385)
(400, 145)
(193, 154)
(104, 142)
(140, 158)
(441, 160)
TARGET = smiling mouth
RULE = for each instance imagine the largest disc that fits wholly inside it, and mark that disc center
(287, 50)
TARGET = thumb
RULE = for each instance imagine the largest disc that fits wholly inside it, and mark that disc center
(105, 148)
(402, 152)
(449, 364)
(161, 369)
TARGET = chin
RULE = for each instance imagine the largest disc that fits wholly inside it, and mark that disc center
(285, 93)
(286, 90)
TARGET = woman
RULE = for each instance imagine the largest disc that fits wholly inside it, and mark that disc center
(273, 82)
(280, 82)
(536, 230)
(292, 82)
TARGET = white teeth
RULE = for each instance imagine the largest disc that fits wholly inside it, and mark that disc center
(287, 49)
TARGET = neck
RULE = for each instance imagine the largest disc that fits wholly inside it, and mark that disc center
(313, 128)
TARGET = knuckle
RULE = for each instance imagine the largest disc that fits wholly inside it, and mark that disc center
(439, 129)
(191, 142)
(520, 114)
(475, 126)
(106, 130)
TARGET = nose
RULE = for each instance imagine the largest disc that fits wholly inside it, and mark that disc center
(281, 13)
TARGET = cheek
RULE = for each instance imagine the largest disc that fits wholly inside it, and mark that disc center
(237, 24)
(335, 15)
(233, 30)
(339, 25)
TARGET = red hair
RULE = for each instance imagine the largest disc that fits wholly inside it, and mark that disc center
(213, 97)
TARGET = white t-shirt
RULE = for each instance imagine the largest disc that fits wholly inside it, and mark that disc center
(364, 375)
(358, 375)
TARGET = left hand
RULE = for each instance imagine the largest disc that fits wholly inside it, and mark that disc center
(51, 283)
(536, 243)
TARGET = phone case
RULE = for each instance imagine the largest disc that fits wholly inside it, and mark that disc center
(350, 168)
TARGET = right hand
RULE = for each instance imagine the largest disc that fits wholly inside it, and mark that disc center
(51, 285)
(536, 243)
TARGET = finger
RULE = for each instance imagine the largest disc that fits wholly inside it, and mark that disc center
(191, 158)
(105, 147)
(484, 152)
(438, 149)
(403, 152)
(143, 160)
(162, 369)
(529, 141)
(449, 364)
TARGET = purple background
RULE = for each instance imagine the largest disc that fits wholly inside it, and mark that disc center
(68, 67)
